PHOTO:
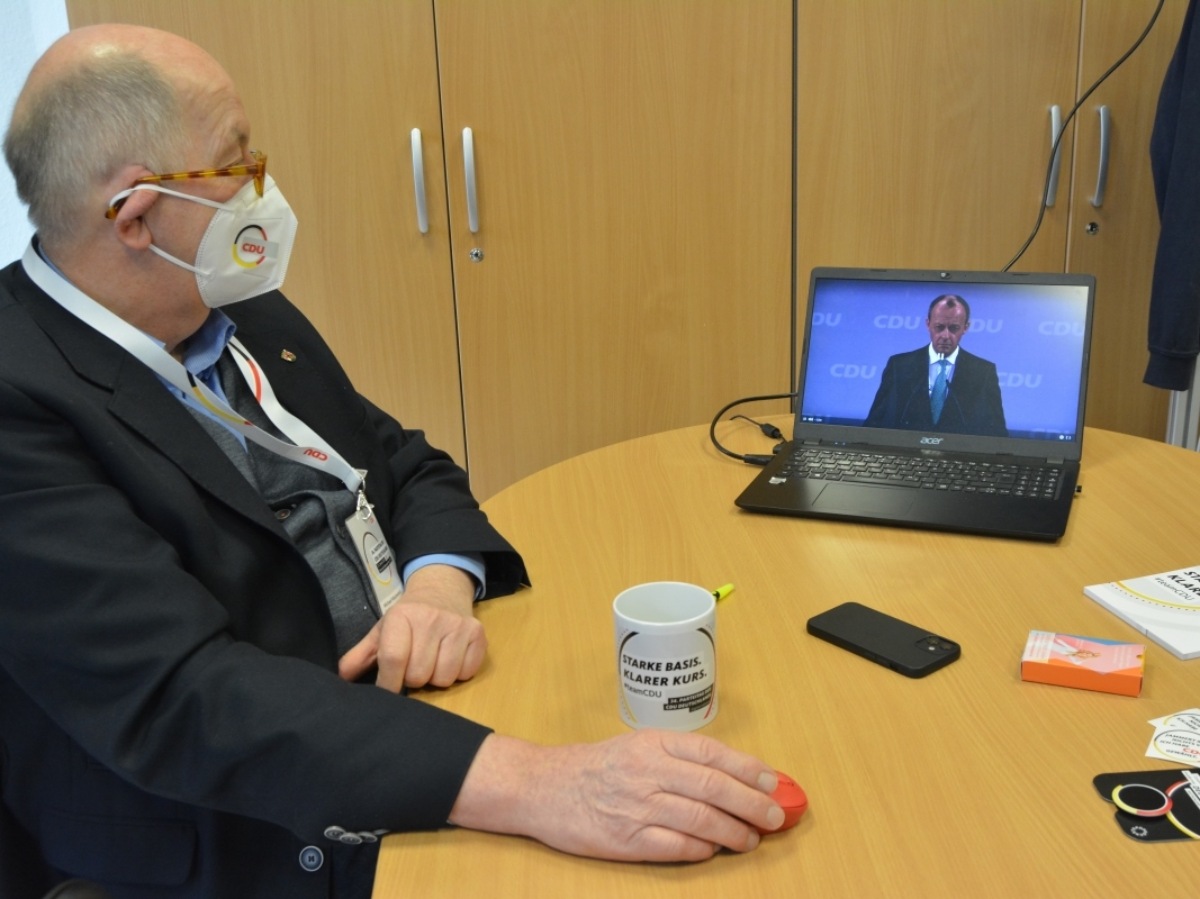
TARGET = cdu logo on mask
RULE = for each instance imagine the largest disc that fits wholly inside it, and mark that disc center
(251, 247)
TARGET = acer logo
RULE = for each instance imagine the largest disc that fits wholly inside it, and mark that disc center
(932, 441)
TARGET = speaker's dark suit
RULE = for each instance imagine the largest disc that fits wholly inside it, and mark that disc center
(973, 404)
(171, 723)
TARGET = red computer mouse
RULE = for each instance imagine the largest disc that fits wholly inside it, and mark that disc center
(793, 800)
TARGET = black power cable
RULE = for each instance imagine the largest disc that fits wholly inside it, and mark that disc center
(1063, 130)
(756, 459)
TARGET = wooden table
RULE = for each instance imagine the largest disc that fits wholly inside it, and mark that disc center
(967, 783)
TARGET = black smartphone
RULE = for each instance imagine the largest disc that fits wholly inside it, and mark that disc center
(887, 641)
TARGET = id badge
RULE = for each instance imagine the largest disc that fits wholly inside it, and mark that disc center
(375, 554)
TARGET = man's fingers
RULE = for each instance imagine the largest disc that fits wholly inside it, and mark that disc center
(459, 657)
(663, 844)
(710, 753)
(721, 779)
(359, 659)
(421, 657)
(395, 654)
(417, 644)
(474, 656)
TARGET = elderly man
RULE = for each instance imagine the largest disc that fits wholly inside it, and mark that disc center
(221, 566)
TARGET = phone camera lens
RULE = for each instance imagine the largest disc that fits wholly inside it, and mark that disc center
(934, 643)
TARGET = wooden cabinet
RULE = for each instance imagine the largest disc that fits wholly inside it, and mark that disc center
(633, 165)
(923, 137)
(631, 266)
(923, 130)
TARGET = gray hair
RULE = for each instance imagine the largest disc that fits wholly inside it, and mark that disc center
(76, 131)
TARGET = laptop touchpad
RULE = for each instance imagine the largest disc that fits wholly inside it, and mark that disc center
(859, 499)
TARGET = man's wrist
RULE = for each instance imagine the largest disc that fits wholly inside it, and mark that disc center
(492, 792)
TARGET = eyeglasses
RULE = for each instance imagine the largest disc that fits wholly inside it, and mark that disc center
(258, 169)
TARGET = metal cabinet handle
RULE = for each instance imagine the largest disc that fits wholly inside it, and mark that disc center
(1056, 164)
(1102, 168)
(469, 171)
(418, 164)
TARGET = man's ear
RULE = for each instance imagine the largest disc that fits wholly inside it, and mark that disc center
(129, 225)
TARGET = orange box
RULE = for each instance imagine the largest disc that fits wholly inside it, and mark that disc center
(1087, 663)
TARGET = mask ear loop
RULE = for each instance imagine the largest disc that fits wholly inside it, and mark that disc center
(165, 190)
(179, 262)
(173, 193)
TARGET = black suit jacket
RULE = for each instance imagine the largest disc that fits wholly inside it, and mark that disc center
(973, 404)
(171, 721)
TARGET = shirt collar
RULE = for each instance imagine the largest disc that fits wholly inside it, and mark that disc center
(205, 347)
(934, 355)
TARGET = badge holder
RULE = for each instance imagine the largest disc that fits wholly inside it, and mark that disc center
(374, 553)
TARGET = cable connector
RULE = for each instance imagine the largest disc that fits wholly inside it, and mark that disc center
(768, 429)
(757, 459)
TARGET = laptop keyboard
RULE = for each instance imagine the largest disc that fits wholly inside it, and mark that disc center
(924, 472)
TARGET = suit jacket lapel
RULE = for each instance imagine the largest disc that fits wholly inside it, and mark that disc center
(146, 406)
(142, 403)
(920, 412)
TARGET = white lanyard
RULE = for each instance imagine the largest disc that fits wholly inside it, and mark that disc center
(307, 447)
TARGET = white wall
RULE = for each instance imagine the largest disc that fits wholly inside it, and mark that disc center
(29, 27)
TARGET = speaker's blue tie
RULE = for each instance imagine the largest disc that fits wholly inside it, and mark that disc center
(937, 399)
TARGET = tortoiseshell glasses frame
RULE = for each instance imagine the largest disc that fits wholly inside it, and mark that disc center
(257, 169)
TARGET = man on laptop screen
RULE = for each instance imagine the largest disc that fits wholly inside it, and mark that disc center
(941, 386)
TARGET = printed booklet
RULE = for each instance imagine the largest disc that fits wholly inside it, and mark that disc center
(1165, 607)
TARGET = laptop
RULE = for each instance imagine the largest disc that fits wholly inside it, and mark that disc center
(1000, 455)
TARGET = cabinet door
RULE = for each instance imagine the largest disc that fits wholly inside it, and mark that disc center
(923, 131)
(632, 267)
(1116, 240)
(332, 98)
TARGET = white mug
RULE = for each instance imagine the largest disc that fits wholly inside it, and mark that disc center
(666, 655)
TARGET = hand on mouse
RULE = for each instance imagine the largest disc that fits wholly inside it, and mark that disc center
(645, 796)
(792, 799)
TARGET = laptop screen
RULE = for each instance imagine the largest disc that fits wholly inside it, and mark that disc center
(1016, 345)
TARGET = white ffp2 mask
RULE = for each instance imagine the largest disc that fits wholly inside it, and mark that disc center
(246, 248)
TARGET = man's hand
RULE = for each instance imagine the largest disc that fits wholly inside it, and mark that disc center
(645, 796)
(430, 636)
